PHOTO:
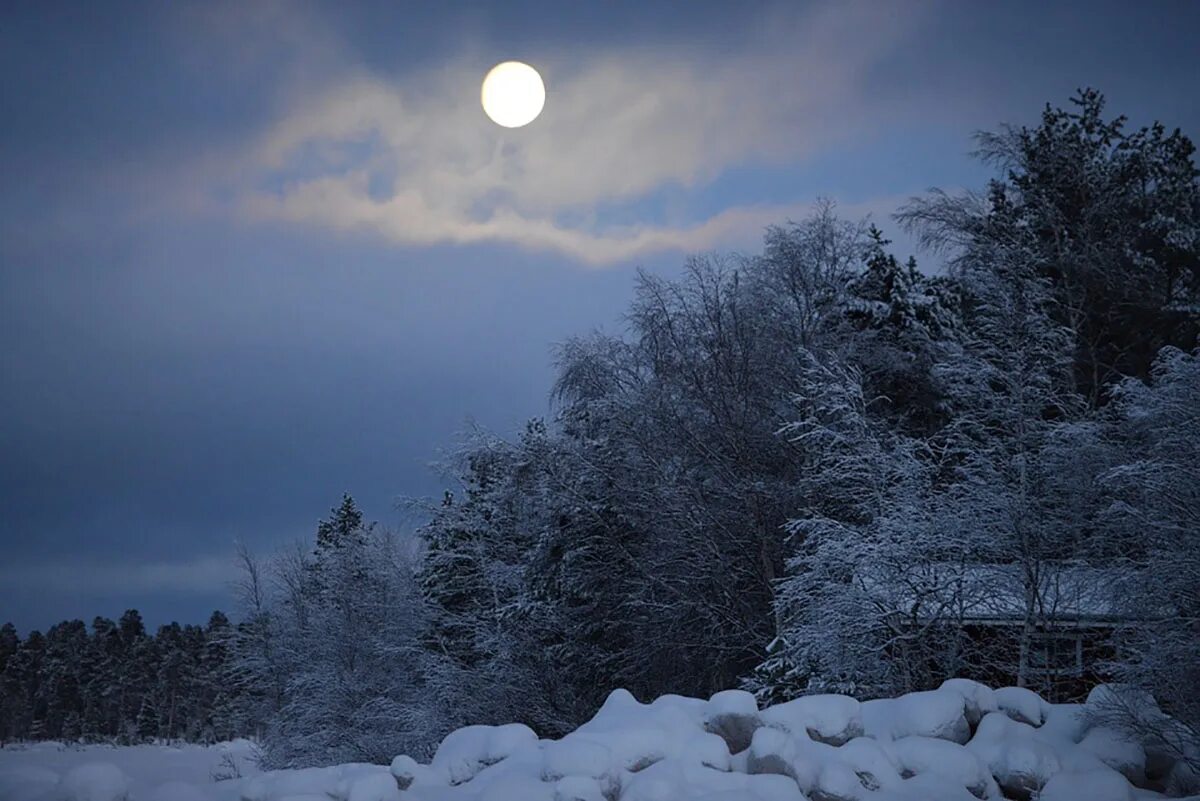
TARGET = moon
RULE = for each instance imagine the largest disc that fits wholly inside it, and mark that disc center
(513, 94)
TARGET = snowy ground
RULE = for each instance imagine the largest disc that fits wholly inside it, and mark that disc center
(963, 742)
(32, 772)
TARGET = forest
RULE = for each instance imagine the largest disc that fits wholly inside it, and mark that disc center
(817, 468)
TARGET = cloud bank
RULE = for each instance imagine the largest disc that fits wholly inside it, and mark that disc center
(196, 576)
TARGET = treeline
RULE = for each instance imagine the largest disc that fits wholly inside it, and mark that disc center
(117, 683)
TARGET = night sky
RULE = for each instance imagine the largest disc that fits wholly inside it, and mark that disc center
(253, 255)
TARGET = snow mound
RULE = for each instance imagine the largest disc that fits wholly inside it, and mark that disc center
(830, 719)
(1022, 705)
(978, 699)
(960, 742)
(940, 714)
(95, 781)
(373, 787)
(467, 751)
(926, 756)
(1117, 752)
(339, 783)
(733, 716)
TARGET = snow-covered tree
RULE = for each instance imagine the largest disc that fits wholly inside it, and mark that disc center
(1110, 218)
(877, 585)
(61, 683)
(1156, 508)
(901, 324)
(1023, 453)
(343, 635)
(493, 645)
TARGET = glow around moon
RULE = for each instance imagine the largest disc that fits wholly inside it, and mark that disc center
(513, 94)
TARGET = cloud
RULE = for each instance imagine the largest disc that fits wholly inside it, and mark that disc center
(200, 576)
(413, 159)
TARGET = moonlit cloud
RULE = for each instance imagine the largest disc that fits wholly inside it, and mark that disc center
(412, 158)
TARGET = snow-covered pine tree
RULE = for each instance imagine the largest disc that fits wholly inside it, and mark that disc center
(10, 641)
(1109, 218)
(901, 323)
(60, 686)
(10, 645)
(218, 697)
(492, 643)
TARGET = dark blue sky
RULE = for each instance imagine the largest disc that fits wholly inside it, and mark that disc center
(255, 255)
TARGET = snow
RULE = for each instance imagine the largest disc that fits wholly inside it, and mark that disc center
(1116, 752)
(576, 757)
(978, 699)
(578, 788)
(39, 771)
(176, 791)
(26, 781)
(733, 715)
(1020, 762)
(933, 713)
(1095, 785)
(372, 787)
(926, 756)
(94, 781)
(961, 742)
(469, 750)
(831, 719)
(1021, 705)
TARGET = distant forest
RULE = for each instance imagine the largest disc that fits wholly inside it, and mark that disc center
(119, 684)
(812, 469)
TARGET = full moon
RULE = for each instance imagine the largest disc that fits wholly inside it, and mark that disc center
(513, 94)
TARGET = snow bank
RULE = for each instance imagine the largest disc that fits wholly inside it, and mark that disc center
(1117, 752)
(978, 699)
(39, 771)
(961, 742)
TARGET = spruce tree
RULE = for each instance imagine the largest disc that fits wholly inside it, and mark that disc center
(1109, 218)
